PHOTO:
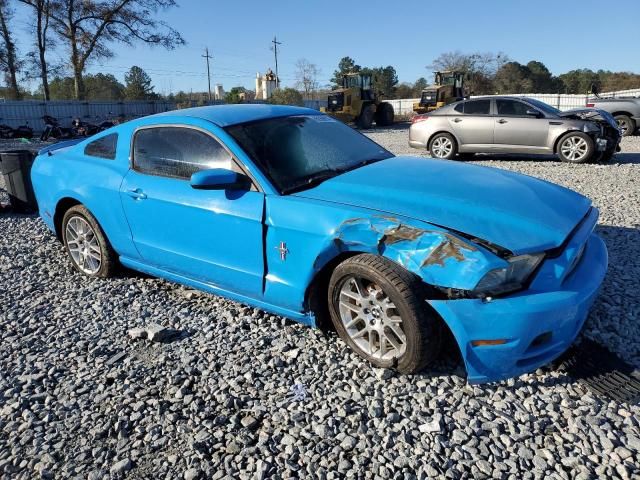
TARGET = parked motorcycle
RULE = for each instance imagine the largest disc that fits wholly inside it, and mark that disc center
(52, 129)
(85, 129)
(23, 131)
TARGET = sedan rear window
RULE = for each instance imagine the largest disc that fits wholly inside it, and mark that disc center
(512, 107)
(103, 147)
(477, 107)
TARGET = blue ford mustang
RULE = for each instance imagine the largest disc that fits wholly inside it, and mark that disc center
(294, 212)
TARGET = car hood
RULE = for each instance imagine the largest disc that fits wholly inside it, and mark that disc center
(594, 114)
(517, 212)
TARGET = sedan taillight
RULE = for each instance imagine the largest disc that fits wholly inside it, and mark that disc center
(591, 105)
(419, 118)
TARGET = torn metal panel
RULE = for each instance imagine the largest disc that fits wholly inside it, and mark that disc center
(439, 257)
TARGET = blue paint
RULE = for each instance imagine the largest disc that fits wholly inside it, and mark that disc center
(422, 214)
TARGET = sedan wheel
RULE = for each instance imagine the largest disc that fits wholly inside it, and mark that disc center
(378, 308)
(576, 147)
(443, 146)
(87, 246)
(371, 319)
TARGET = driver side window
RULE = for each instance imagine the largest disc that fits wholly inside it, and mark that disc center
(177, 152)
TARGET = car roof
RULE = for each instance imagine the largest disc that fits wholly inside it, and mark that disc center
(226, 115)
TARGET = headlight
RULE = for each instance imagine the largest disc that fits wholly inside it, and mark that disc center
(510, 278)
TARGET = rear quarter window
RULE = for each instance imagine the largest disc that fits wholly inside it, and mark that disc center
(103, 147)
(477, 107)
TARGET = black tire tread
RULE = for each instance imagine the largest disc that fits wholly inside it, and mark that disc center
(454, 151)
(412, 291)
(110, 263)
(630, 122)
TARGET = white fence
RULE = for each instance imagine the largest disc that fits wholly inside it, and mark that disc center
(15, 113)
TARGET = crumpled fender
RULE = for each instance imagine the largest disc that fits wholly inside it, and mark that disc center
(439, 257)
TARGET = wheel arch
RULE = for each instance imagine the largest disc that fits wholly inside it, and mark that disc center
(62, 206)
(623, 112)
(455, 138)
(439, 258)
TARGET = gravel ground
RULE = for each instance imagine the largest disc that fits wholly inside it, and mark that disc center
(244, 394)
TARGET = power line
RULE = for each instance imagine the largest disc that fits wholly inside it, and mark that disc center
(207, 56)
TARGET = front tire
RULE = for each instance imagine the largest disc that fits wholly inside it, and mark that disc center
(443, 146)
(378, 309)
(626, 124)
(576, 147)
(87, 246)
(365, 120)
(384, 115)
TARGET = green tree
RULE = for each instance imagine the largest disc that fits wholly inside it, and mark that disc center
(103, 87)
(404, 90)
(420, 85)
(385, 79)
(345, 65)
(513, 77)
(287, 96)
(138, 85)
(579, 81)
(60, 88)
(235, 95)
(542, 79)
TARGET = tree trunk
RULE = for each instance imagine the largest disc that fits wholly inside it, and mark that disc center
(12, 80)
(42, 47)
(78, 82)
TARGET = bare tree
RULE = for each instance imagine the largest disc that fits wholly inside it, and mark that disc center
(480, 68)
(8, 59)
(40, 27)
(88, 27)
(307, 77)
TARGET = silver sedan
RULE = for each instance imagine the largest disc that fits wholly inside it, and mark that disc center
(515, 125)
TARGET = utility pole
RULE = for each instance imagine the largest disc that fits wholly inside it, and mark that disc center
(207, 56)
(275, 52)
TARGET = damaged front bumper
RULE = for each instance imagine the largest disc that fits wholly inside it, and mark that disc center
(536, 325)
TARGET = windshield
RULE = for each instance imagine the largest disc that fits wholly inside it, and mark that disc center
(545, 107)
(300, 151)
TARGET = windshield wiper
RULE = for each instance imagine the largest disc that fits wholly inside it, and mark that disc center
(315, 179)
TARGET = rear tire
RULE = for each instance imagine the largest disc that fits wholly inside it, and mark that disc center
(378, 309)
(576, 147)
(87, 246)
(443, 146)
(365, 120)
(626, 124)
(384, 115)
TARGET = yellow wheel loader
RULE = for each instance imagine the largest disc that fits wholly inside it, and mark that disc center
(357, 101)
(448, 87)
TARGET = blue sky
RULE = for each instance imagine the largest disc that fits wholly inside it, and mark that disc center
(563, 34)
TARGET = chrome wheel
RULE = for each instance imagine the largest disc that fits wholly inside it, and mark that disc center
(83, 245)
(371, 320)
(623, 126)
(574, 148)
(441, 147)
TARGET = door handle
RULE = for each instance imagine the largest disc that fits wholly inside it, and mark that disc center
(137, 194)
(502, 120)
(457, 120)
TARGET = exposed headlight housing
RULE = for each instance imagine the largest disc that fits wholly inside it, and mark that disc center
(510, 278)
